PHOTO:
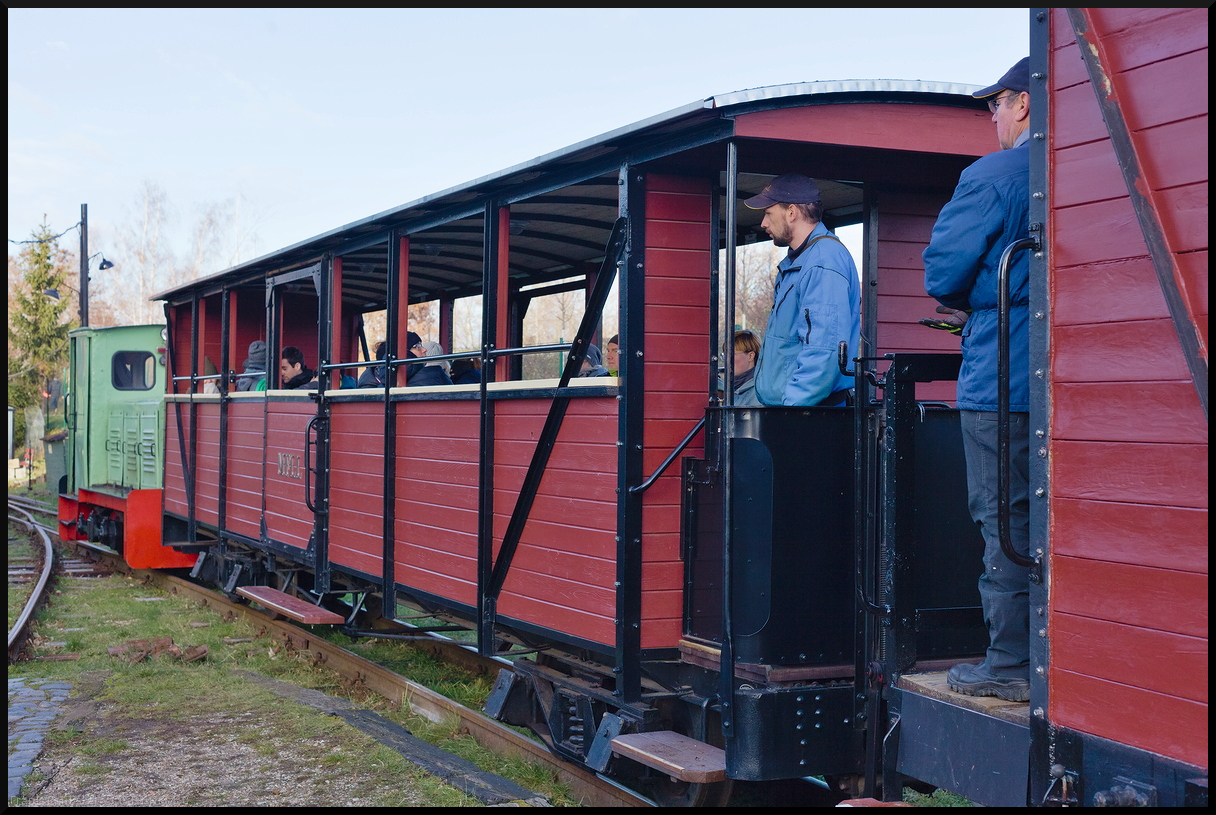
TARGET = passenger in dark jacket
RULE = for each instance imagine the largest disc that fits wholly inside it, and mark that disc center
(592, 365)
(253, 378)
(466, 372)
(295, 374)
(374, 377)
(432, 373)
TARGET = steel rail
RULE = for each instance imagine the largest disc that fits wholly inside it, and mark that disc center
(585, 786)
(20, 630)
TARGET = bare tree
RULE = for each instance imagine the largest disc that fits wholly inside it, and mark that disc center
(145, 262)
(755, 270)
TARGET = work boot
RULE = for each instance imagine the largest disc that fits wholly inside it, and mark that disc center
(978, 680)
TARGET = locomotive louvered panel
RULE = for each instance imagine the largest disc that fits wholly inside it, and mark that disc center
(149, 448)
(114, 446)
(130, 448)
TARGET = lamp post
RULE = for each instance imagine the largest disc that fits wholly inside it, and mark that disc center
(84, 265)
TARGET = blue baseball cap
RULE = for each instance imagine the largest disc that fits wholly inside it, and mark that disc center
(790, 188)
(1016, 78)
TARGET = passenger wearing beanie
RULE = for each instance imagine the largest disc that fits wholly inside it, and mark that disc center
(253, 378)
(432, 373)
(592, 366)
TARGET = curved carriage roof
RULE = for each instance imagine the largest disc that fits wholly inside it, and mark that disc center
(589, 214)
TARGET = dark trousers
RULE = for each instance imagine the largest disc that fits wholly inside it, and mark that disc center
(1004, 586)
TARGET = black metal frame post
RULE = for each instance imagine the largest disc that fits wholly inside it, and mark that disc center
(630, 422)
(487, 606)
(388, 531)
(325, 355)
(1046, 747)
(225, 402)
(726, 657)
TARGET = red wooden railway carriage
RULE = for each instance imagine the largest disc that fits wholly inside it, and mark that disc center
(553, 514)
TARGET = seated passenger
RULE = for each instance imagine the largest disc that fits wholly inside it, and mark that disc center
(591, 363)
(432, 373)
(747, 350)
(466, 371)
(296, 375)
(374, 377)
(211, 386)
(612, 355)
(253, 378)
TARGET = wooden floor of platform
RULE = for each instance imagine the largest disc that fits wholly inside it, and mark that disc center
(934, 686)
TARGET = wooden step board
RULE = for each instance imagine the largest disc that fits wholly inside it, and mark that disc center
(293, 607)
(678, 756)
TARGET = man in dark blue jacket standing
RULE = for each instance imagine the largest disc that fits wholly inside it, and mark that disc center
(990, 209)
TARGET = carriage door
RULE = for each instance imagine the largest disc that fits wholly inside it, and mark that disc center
(289, 464)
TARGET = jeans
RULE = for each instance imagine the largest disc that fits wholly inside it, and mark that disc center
(1004, 586)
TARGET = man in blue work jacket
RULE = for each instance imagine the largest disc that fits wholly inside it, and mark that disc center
(990, 210)
(816, 301)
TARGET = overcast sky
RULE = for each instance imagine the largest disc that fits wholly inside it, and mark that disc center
(318, 118)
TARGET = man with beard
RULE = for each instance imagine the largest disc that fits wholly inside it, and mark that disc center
(816, 301)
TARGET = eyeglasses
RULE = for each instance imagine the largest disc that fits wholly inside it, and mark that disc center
(993, 104)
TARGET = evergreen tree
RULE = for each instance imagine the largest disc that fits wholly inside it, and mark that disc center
(38, 325)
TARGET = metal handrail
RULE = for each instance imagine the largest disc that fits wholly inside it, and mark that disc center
(1002, 402)
(645, 485)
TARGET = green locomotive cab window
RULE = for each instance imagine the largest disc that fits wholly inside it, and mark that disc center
(133, 371)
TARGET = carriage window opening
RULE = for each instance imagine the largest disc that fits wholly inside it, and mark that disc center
(552, 318)
(132, 371)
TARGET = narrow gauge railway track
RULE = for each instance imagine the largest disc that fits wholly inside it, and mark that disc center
(20, 631)
(592, 790)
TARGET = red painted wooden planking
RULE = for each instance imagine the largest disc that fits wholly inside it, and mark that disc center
(1078, 118)
(675, 291)
(673, 235)
(1175, 154)
(1084, 173)
(1183, 212)
(1138, 36)
(1166, 91)
(1154, 660)
(1113, 292)
(358, 557)
(669, 206)
(1067, 67)
(1159, 599)
(1095, 232)
(1135, 351)
(1169, 725)
(1103, 411)
(1162, 474)
(925, 128)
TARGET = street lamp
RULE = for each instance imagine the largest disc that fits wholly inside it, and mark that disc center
(83, 292)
